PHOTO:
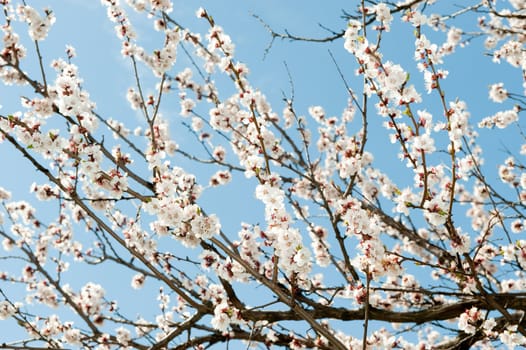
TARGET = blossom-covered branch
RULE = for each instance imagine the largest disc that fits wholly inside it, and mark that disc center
(383, 227)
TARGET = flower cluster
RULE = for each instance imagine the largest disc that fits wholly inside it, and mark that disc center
(7, 309)
(91, 299)
(38, 26)
(293, 256)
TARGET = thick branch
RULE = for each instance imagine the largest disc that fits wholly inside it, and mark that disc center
(434, 313)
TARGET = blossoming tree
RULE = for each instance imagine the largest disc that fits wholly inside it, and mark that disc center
(345, 253)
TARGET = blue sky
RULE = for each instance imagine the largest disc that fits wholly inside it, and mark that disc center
(107, 76)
